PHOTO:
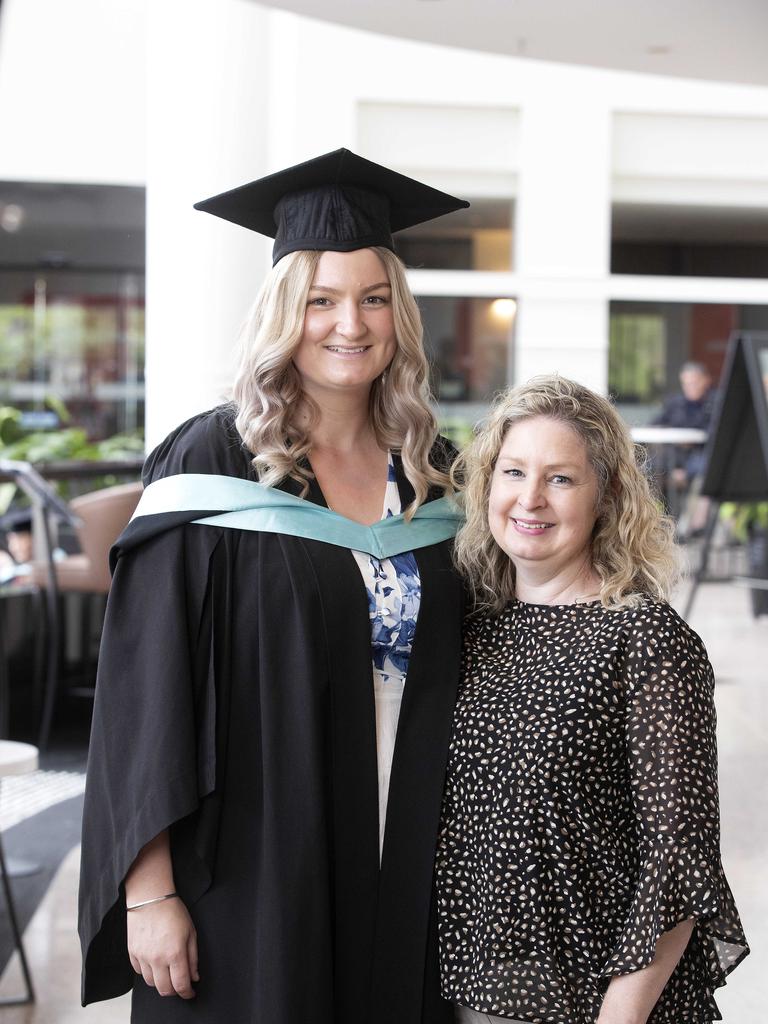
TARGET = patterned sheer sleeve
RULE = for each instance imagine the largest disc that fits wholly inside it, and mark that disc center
(672, 763)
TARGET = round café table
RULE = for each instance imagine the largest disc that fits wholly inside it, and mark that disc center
(668, 435)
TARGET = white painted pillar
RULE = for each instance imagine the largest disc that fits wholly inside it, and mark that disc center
(562, 237)
(72, 79)
(207, 112)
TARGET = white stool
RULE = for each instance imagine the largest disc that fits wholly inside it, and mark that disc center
(16, 759)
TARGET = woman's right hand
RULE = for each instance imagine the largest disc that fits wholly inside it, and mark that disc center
(162, 945)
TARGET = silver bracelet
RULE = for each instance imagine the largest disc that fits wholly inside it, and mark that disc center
(157, 899)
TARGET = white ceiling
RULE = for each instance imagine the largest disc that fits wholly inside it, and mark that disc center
(720, 40)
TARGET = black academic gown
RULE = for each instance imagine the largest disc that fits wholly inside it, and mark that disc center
(234, 705)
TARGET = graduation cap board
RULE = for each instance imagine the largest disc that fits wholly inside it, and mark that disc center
(737, 448)
(338, 201)
(737, 451)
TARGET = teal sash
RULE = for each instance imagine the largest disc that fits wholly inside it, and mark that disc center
(247, 505)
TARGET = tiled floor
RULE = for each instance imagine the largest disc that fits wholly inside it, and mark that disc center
(54, 955)
(738, 646)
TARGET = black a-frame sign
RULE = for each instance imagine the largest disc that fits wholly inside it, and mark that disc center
(737, 451)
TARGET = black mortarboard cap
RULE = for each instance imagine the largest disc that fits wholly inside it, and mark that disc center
(338, 201)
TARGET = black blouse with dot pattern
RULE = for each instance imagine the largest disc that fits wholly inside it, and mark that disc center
(580, 819)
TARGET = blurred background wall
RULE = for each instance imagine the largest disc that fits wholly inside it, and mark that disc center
(619, 219)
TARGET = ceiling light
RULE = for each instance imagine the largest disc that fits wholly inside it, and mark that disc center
(503, 309)
(11, 217)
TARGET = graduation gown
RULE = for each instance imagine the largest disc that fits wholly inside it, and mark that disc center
(234, 706)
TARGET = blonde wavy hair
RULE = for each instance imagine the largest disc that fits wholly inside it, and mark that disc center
(268, 390)
(632, 547)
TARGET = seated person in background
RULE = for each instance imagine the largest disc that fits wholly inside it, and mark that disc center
(691, 408)
(15, 542)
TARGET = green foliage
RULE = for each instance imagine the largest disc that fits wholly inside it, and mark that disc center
(68, 444)
(459, 431)
(51, 446)
(636, 356)
(10, 426)
(56, 405)
(71, 443)
(7, 494)
(745, 517)
(121, 446)
(16, 330)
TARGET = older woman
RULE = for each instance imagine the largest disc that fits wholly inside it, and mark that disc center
(283, 605)
(578, 871)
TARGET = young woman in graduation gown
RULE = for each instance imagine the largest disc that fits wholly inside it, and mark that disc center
(280, 658)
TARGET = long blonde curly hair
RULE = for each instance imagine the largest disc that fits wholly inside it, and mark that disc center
(268, 391)
(632, 546)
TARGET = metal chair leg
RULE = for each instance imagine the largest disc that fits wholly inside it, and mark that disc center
(4, 687)
(40, 641)
(712, 517)
(53, 623)
(52, 670)
(30, 996)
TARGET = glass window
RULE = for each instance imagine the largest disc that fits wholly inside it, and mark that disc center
(468, 342)
(637, 356)
(72, 305)
(479, 238)
(694, 241)
(650, 341)
(77, 339)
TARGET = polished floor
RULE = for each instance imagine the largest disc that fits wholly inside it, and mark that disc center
(738, 647)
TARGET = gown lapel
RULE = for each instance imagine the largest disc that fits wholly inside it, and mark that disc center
(382, 912)
(354, 786)
(354, 782)
(404, 988)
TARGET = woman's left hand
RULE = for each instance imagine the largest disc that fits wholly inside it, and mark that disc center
(630, 998)
(162, 946)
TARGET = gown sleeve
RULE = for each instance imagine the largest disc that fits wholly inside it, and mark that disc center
(151, 761)
(672, 765)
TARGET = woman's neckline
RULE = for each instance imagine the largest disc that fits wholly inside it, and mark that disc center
(387, 505)
(589, 603)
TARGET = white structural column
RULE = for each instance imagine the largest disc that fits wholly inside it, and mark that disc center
(562, 236)
(71, 91)
(208, 102)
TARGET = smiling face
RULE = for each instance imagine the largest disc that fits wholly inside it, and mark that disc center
(543, 498)
(349, 333)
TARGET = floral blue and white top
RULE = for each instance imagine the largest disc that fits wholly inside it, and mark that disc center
(394, 594)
